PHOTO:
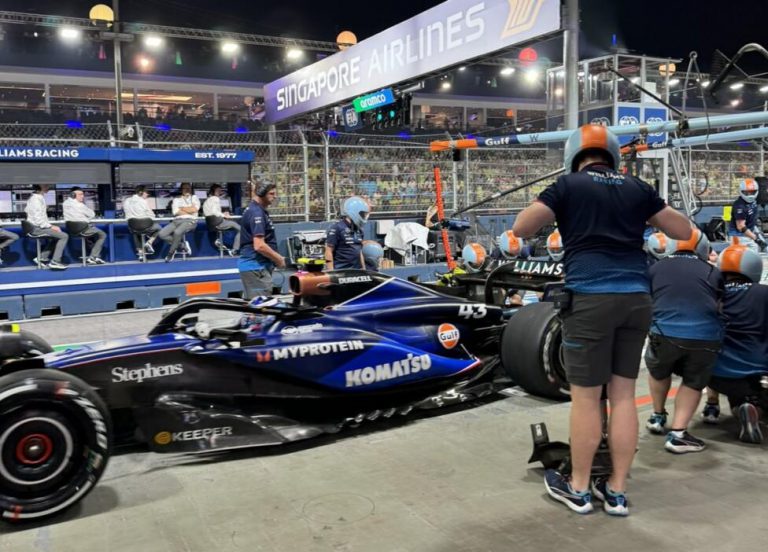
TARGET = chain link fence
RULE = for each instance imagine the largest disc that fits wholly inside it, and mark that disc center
(315, 170)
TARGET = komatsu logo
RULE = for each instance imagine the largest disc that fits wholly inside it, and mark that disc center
(381, 372)
(137, 375)
(315, 349)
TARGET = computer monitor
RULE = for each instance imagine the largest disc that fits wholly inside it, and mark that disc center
(6, 203)
(152, 202)
(201, 195)
(225, 204)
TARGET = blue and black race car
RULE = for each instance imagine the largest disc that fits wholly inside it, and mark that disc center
(218, 374)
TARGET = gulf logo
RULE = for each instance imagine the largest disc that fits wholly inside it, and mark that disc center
(448, 335)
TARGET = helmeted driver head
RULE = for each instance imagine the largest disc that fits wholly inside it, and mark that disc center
(555, 246)
(697, 243)
(510, 245)
(657, 245)
(740, 259)
(356, 209)
(748, 190)
(591, 139)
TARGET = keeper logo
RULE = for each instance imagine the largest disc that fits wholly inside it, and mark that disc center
(166, 437)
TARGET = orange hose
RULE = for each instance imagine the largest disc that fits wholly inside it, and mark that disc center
(441, 215)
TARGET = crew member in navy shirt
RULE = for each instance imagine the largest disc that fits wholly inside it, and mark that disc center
(258, 253)
(344, 240)
(744, 216)
(601, 215)
(685, 336)
(743, 360)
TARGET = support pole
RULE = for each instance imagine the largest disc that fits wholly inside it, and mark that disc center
(571, 59)
(118, 67)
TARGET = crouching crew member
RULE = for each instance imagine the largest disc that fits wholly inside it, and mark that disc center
(685, 335)
(602, 215)
(743, 360)
(344, 240)
(75, 210)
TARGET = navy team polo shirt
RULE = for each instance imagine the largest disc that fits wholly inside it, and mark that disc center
(347, 243)
(745, 345)
(602, 216)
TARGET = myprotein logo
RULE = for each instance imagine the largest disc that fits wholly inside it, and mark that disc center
(411, 364)
(148, 371)
(166, 437)
(310, 350)
(522, 16)
(448, 335)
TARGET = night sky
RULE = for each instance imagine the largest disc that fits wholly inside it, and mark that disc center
(654, 27)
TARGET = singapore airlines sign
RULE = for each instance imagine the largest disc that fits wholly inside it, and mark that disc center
(452, 32)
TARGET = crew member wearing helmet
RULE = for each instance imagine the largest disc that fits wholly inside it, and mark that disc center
(743, 360)
(601, 215)
(512, 247)
(656, 246)
(258, 252)
(372, 255)
(344, 240)
(685, 336)
(555, 246)
(744, 216)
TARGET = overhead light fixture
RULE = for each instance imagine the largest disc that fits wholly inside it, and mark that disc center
(704, 84)
(144, 62)
(580, 73)
(153, 41)
(445, 85)
(531, 76)
(737, 86)
(562, 73)
(558, 92)
(230, 47)
(294, 53)
(735, 102)
(674, 82)
(634, 80)
(764, 89)
(506, 71)
(69, 33)
(462, 68)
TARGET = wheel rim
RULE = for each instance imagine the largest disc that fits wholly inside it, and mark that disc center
(35, 451)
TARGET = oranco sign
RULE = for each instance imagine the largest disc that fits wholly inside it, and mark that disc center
(445, 35)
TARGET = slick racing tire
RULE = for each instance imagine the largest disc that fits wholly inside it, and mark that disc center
(55, 439)
(531, 351)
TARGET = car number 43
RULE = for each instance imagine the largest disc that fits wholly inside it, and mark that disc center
(472, 311)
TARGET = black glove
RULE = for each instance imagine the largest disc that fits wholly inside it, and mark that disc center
(760, 243)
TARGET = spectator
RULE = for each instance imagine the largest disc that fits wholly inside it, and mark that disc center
(601, 215)
(212, 208)
(37, 215)
(75, 210)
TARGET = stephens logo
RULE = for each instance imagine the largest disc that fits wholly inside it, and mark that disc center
(166, 437)
(137, 375)
(448, 335)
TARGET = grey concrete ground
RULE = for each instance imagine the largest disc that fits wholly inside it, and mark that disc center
(458, 481)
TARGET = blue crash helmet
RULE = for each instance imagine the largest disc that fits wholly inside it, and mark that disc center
(372, 252)
(590, 138)
(357, 209)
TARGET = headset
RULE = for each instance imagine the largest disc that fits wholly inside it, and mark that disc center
(73, 192)
(262, 188)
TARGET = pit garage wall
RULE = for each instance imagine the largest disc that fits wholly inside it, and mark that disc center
(31, 293)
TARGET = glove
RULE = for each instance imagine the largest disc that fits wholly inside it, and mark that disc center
(761, 243)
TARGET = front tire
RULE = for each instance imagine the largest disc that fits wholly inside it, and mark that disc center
(55, 440)
(531, 351)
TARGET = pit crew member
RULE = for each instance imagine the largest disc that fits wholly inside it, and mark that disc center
(344, 240)
(258, 254)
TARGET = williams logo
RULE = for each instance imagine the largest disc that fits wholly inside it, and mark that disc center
(522, 16)
(137, 375)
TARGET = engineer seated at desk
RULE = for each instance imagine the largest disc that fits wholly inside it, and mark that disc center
(6, 239)
(136, 207)
(37, 215)
(184, 209)
(75, 210)
(212, 208)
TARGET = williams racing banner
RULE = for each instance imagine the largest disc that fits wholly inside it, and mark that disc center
(448, 34)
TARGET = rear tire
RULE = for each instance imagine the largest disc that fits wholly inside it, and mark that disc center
(531, 351)
(55, 439)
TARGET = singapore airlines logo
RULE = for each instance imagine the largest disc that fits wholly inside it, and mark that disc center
(522, 16)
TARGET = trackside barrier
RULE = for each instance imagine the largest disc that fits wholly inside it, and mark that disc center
(85, 302)
(11, 308)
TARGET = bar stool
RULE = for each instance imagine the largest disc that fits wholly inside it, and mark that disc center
(141, 227)
(28, 228)
(75, 229)
(212, 222)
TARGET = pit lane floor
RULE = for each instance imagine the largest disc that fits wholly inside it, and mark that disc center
(456, 481)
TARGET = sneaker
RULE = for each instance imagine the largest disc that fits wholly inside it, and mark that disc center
(656, 422)
(99, 260)
(169, 258)
(559, 488)
(614, 504)
(55, 265)
(711, 413)
(218, 245)
(233, 252)
(90, 261)
(148, 249)
(186, 248)
(749, 418)
(681, 442)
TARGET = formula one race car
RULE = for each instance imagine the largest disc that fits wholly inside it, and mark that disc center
(219, 374)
